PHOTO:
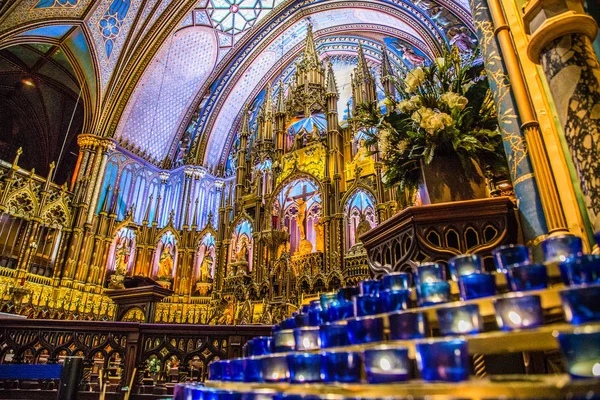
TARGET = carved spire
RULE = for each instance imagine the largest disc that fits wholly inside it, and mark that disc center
(331, 84)
(361, 69)
(268, 104)
(245, 123)
(387, 73)
(310, 56)
(280, 106)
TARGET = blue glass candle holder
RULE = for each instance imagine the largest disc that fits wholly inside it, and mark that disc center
(476, 286)
(248, 348)
(387, 364)
(302, 320)
(396, 281)
(347, 293)
(215, 371)
(252, 369)
(288, 323)
(429, 272)
(305, 308)
(394, 300)
(581, 350)
(460, 320)
(304, 367)
(581, 304)
(446, 361)
(340, 310)
(237, 369)
(189, 391)
(527, 277)
(333, 335)
(226, 370)
(559, 248)
(326, 299)
(367, 305)
(369, 287)
(275, 369)
(275, 328)
(365, 330)
(261, 394)
(343, 366)
(315, 315)
(307, 338)
(408, 325)
(581, 269)
(284, 341)
(518, 312)
(262, 345)
(434, 293)
(464, 265)
(512, 254)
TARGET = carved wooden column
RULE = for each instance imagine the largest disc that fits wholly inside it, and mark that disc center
(561, 41)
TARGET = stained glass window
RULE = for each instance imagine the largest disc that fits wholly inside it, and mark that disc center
(235, 16)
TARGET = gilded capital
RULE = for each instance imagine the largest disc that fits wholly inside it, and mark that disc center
(546, 20)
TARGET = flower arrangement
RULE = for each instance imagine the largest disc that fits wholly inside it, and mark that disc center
(444, 109)
(153, 365)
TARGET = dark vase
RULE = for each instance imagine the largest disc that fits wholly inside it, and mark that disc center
(444, 180)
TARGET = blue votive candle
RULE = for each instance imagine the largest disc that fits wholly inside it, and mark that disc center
(369, 286)
(408, 325)
(333, 335)
(443, 360)
(367, 305)
(429, 272)
(307, 338)
(304, 367)
(581, 350)
(464, 265)
(248, 348)
(262, 345)
(226, 370)
(342, 366)
(527, 277)
(386, 364)
(346, 293)
(394, 300)
(288, 323)
(476, 286)
(301, 320)
(559, 248)
(214, 371)
(396, 281)
(434, 293)
(365, 330)
(512, 254)
(340, 310)
(459, 320)
(581, 304)
(237, 369)
(275, 369)
(581, 269)
(326, 300)
(284, 341)
(518, 312)
(252, 369)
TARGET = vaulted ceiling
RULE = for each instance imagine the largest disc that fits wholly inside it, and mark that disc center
(152, 71)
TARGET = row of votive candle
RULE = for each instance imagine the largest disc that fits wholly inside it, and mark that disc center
(439, 360)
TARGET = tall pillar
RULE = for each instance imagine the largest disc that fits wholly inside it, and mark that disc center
(561, 41)
(533, 182)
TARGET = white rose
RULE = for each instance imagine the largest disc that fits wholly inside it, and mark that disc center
(414, 79)
(432, 123)
(406, 106)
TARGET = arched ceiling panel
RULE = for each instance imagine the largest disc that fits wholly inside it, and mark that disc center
(164, 93)
(274, 48)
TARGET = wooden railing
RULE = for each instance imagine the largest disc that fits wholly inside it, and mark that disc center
(118, 350)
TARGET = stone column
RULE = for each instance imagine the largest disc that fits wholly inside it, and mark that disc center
(533, 182)
(561, 41)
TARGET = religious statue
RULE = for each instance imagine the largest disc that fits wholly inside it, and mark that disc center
(242, 253)
(206, 268)
(165, 265)
(441, 16)
(121, 262)
(361, 152)
(363, 226)
(301, 216)
(320, 242)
